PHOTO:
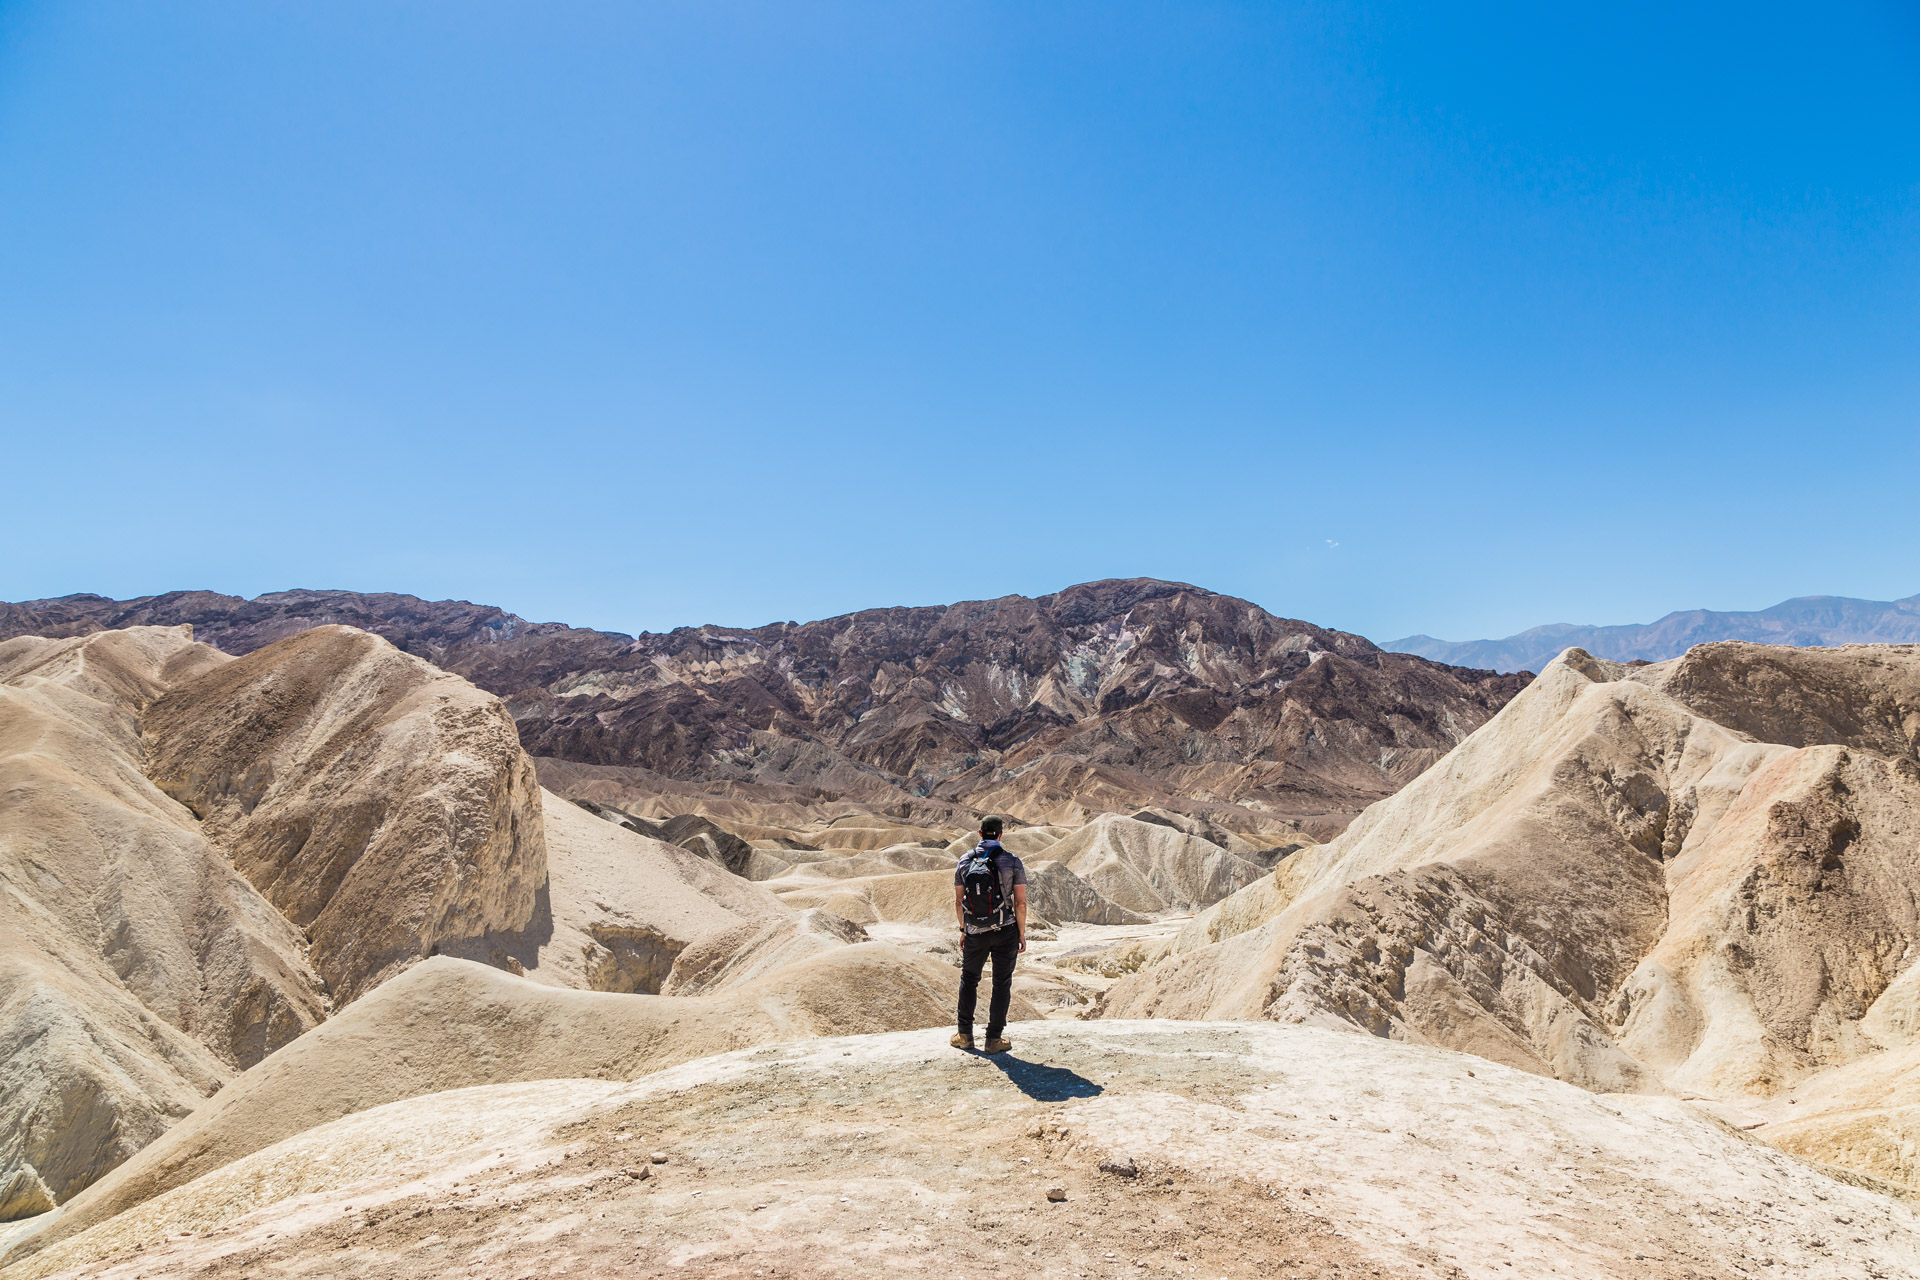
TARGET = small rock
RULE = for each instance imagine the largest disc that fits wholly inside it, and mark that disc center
(639, 1174)
(1056, 1194)
(658, 1157)
(1123, 1167)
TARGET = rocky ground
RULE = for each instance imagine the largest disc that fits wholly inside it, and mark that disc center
(1207, 1149)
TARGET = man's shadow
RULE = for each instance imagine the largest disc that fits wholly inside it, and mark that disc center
(1041, 1082)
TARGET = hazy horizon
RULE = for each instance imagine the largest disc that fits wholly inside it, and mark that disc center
(910, 604)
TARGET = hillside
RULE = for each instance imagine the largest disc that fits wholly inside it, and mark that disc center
(1692, 878)
(1109, 696)
(205, 857)
(1803, 621)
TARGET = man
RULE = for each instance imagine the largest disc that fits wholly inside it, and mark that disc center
(990, 902)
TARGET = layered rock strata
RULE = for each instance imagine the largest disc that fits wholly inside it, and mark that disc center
(1694, 877)
(382, 805)
(1105, 697)
(138, 970)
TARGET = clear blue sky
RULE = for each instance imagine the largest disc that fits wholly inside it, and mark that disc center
(1443, 318)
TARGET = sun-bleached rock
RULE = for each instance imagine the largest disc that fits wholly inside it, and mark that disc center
(1148, 867)
(1021, 842)
(451, 1024)
(728, 958)
(381, 804)
(907, 897)
(1057, 896)
(861, 833)
(1610, 885)
(708, 839)
(1255, 1148)
(1113, 870)
(138, 972)
(617, 908)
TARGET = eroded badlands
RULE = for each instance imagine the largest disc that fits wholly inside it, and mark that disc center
(310, 969)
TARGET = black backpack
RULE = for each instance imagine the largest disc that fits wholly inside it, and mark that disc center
(982, 900)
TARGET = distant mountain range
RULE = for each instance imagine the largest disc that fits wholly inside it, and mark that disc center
(1108, 696)
(1804, 621)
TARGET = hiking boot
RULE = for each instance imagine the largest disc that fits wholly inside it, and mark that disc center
(961, 1041)
(999, 1044)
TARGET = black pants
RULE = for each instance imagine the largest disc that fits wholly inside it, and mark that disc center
(1003, 944)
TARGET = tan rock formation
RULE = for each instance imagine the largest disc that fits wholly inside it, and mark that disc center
(1055, 895)
(138, 972)
(1147, 867)
(1610, 884)
(911, 897)
(381, 804)
(863, 833)
(1023, 842)
(1113, 870)
(733, 957)
(618, 908)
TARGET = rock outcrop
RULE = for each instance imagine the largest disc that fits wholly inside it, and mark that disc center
(1055, 895)
(1106, 697)
(688, 830)
(1695, 877)
(204, 856)
(382, 805)
(1113, 870)
(618, 908)
(1098, 1148)
(1149, 867)
(138, 971)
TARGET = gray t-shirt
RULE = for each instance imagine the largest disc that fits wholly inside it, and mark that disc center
(1012, 872)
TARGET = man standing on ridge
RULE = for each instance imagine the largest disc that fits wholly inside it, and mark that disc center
(990, 901)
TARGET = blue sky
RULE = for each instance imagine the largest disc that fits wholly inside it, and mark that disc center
(1454, 319)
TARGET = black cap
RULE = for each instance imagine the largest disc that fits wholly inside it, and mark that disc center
(991, 828)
